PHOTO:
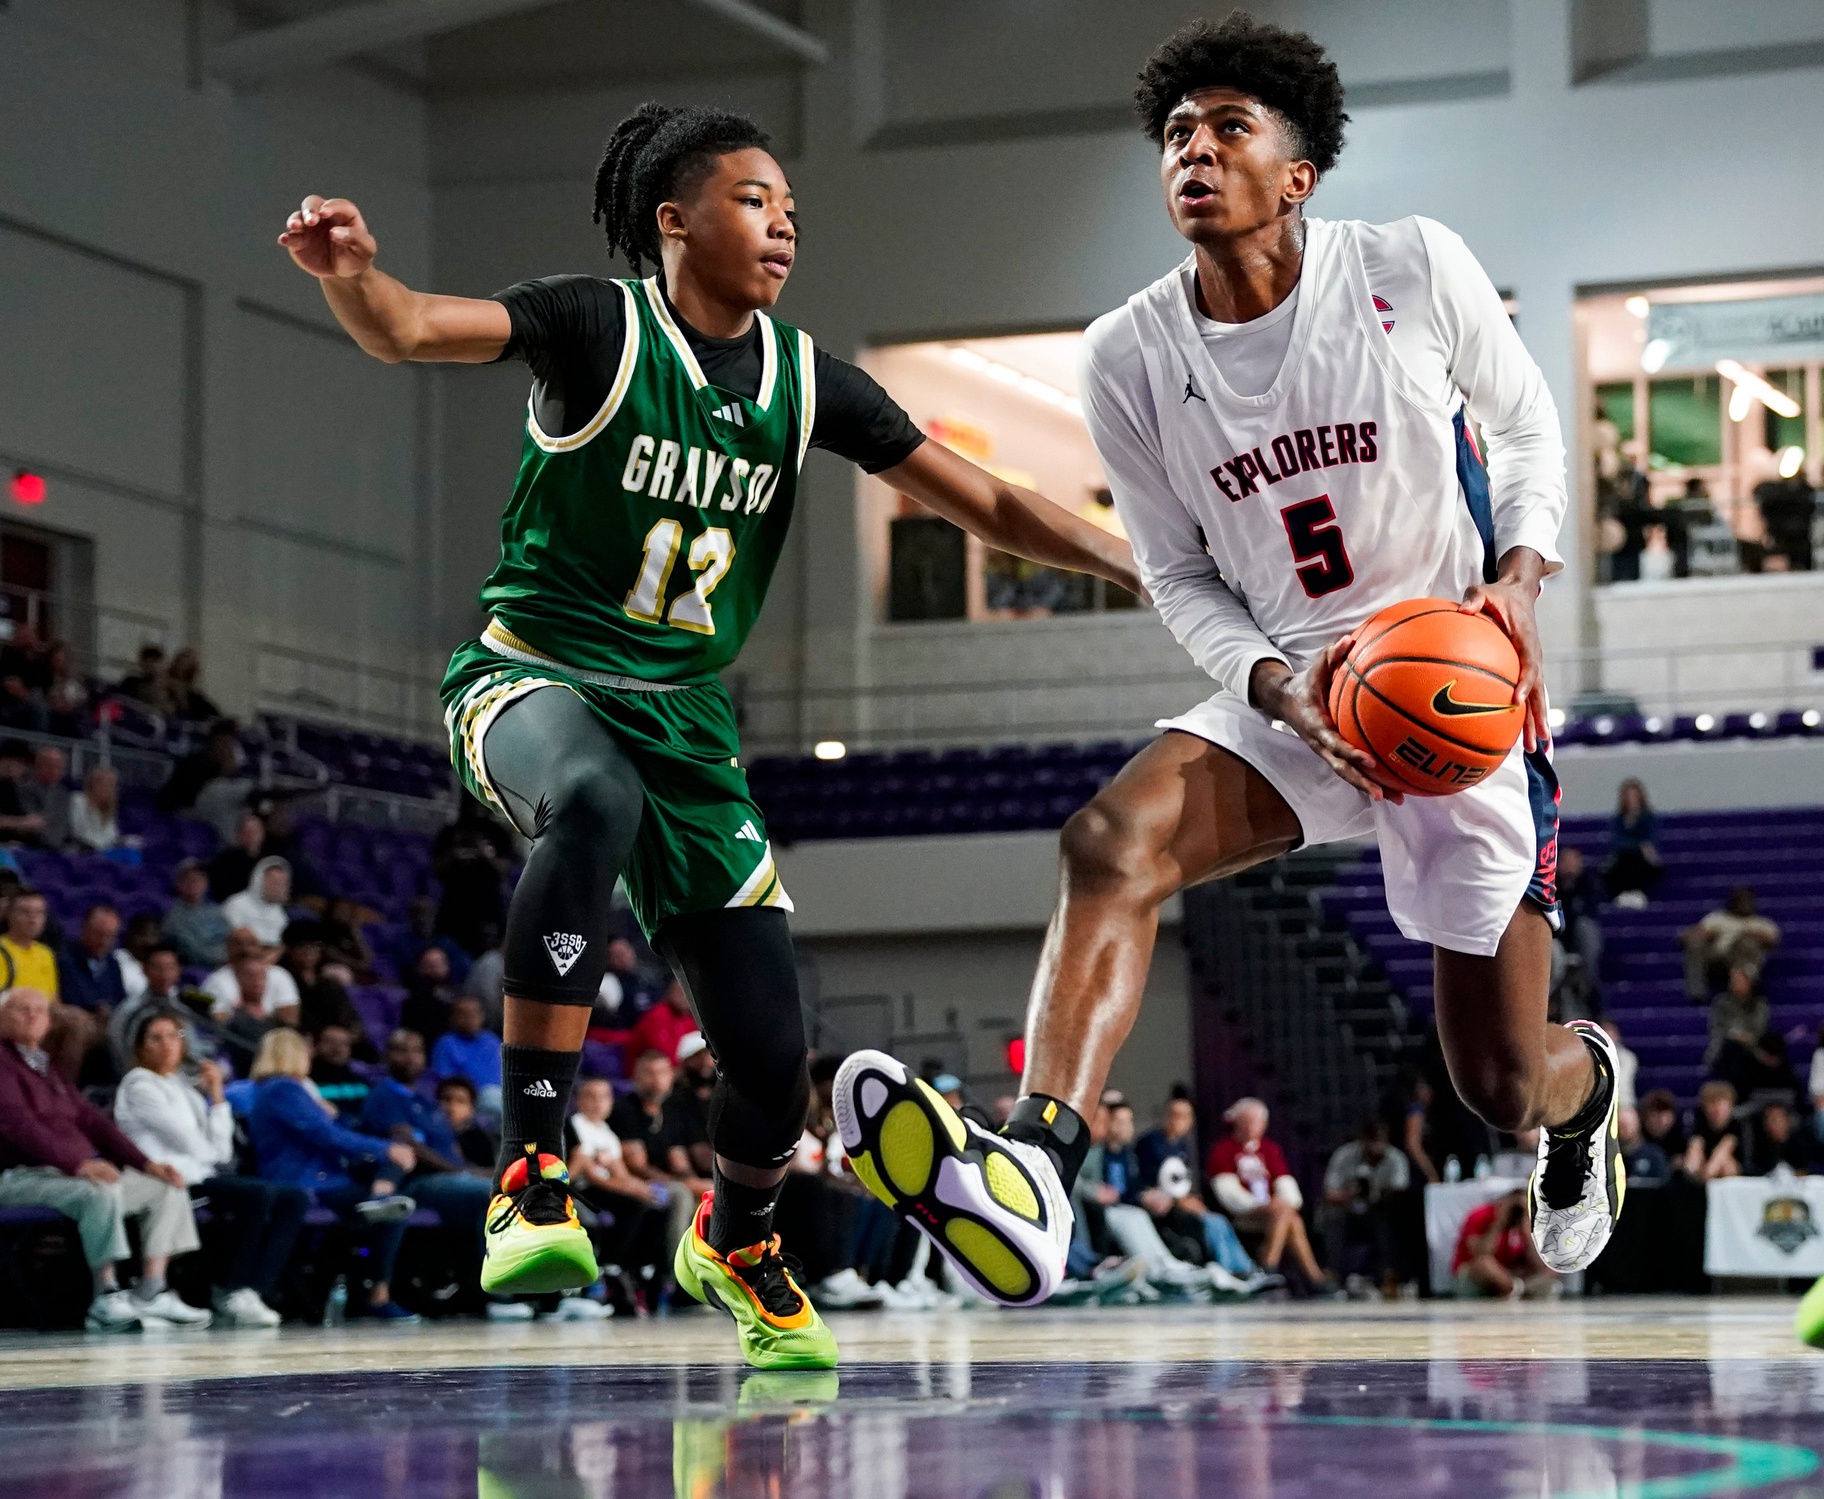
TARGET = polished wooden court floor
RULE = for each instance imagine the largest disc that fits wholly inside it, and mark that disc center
(1600, 1399)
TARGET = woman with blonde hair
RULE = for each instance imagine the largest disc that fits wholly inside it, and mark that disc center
(298, 1142)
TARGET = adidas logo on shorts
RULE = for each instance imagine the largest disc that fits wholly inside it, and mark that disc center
(748, 831)
(540, 1089)
(565, 948)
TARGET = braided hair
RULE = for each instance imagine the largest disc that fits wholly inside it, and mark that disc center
(654, 155)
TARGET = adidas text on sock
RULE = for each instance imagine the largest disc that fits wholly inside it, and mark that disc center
(534, 1097)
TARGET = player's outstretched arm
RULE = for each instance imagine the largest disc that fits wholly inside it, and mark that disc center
(328, 238)
(1013, 519)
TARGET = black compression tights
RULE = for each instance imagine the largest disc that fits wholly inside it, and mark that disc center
(573, 791)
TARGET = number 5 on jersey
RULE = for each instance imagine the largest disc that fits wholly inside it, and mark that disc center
(710, 556)
(1317, 541)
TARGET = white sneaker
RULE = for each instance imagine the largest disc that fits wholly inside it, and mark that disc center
(511, 1311)
(1575, 1195)
(168, 1309)
(388, 1209)
(582, 1309)
(993, 1206)
(243, 1307)
(845, 1291)
(1225, 1283)
(113, 1311)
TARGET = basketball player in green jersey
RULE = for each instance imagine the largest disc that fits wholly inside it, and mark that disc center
(661, 460)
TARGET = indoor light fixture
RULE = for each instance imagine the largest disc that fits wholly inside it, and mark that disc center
(830, 749)
(1704, 722)
(1770, 396)
(1653, 358)
(1791, 461)
(1811, 718)
(1555, 718)
(1638, 305)
(1006, 374)
(1757, 721)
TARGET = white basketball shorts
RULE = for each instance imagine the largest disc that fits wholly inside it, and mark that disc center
(1456, 866)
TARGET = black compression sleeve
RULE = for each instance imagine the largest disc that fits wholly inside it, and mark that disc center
(568, 330)
(858, 420)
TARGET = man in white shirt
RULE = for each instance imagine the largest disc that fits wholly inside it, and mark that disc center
(1285, 421)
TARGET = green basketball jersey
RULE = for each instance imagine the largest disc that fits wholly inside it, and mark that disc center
(643, 543)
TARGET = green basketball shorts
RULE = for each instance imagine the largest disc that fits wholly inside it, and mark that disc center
(702, 842)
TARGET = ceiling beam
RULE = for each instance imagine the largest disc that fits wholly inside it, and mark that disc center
(744, 13)
(337, 34)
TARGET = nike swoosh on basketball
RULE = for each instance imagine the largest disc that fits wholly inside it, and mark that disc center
(1448, 707)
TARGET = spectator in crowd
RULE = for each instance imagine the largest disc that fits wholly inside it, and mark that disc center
(1777, 1141)
(186, 701)
(666, 1024)
(1815, 1085)
(194, 924)
(67, 696)
(429, 994)
(58, 1150)
(1168, 1175)
(1659, 1124)
(1733, 937)
(1715, 1148)
(298, 1142)
(1744, 1051)
(192, 1127)
(476, 1144)
(332, 1070)
(695, 1086)
(420, 933)
(1495, 1254)
(342, 939)
(468, 1050)
(437, 1178)
(141, 934)
(17, 823)
(1406, 1109)
(44, 796)
(322, 998)
(248, 996)
(32, 964)
(598, 1166)
(232, 866)
(627, 990)
(87, 975)
(218, 757)
(164, 993)
(95, 815)
(1634, 866)
(1254, 1186)
(1360, 1183)
(19, 708)
(146, 682)
(656, 1133)
(1645, 1163)
(262, 907)
(470, 858)
(1627, 1069)
(1579, 986)
(486, 980)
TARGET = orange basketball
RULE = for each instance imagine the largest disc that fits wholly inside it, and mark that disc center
(1429, 692)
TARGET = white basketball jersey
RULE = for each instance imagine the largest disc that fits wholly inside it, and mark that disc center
(1344, 487)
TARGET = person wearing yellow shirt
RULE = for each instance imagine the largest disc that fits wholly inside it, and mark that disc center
(34, 966)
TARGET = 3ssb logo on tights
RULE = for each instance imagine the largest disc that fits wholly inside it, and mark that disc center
(565, 948)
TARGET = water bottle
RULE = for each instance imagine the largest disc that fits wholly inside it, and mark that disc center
(1453, 1169)
(1485, 1168)
(335, 1306)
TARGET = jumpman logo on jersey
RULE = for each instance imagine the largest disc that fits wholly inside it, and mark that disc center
(749, 832)
(1190, 391)
(732, 413)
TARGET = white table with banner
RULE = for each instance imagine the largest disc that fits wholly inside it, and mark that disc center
(1770, 1226)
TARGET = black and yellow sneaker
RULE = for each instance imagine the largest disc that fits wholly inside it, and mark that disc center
(1575, 1195)
(534, 1242)
(993, 1206)
(778, 1326)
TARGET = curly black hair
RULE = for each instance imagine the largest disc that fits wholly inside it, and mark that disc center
(1285, 70)
(655, 154)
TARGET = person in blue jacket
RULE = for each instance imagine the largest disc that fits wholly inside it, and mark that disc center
(297, 1141)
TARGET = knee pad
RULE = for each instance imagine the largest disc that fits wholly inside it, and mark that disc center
(762, 1137)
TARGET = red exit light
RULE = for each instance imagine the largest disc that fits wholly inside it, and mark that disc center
(27, 488)
(1016, 1055)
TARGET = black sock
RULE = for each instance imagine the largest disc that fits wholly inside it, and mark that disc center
(534, 1097)
(741, 1216)
(1056, 1128)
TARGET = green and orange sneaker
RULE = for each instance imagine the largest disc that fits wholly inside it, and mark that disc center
(534, 1242)
(778, 1326)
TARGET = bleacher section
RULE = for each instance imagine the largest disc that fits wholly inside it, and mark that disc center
(1780, 853)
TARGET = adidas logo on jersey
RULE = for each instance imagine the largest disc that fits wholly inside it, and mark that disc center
(749, 832)
(540, 1089)
(732, 413)
(565, 948)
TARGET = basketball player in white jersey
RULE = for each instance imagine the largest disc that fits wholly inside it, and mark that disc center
(1284, 423)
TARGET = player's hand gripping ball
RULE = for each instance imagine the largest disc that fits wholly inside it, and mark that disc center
(1428, 691)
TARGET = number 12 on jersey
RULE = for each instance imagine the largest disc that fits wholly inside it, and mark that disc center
(710, 557)
(1317, 541)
